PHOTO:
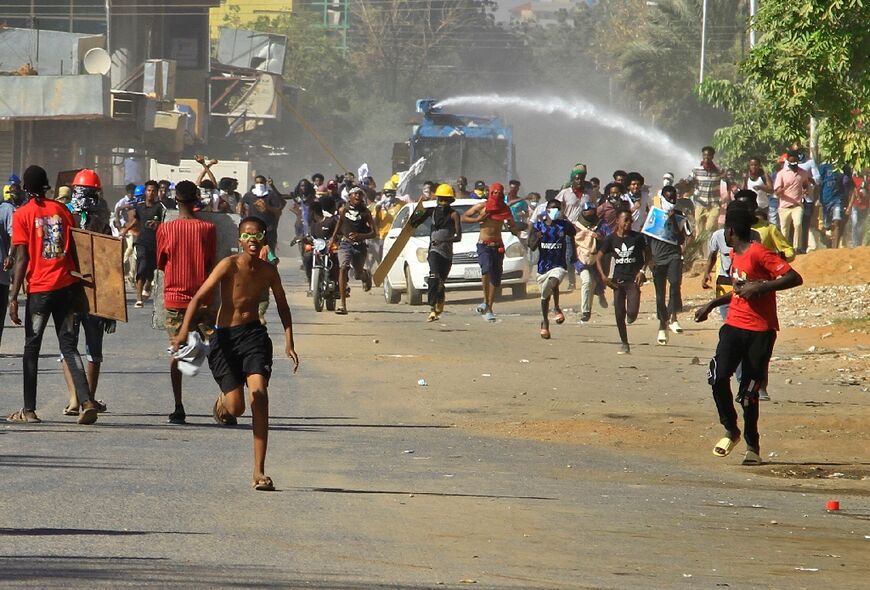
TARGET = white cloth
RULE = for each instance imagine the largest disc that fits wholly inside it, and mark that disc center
(191, 356)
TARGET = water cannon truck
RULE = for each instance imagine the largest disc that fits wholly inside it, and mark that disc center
(477, 147)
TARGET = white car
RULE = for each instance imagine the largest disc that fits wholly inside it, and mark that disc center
(410, 273)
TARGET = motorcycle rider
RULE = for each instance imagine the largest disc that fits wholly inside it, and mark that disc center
(355, 225)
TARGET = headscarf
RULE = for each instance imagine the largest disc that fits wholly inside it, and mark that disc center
(495, 205)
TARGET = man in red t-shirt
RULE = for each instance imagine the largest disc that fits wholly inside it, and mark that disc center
(749, 331)
(42, 241)
(186, 249)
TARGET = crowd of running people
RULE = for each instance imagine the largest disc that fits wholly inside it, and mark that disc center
(608, 238)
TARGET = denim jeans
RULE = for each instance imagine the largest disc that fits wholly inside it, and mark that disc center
(61, 306)
(773, 211)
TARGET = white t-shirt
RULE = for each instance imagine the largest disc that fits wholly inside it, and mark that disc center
(638, 215)
(572, 205)
(757, 185)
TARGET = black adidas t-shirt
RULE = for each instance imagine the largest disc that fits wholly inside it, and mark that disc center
(627, 253)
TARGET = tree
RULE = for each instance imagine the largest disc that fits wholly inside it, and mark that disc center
(810, 61)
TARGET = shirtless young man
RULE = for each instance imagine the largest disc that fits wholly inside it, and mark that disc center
(491, 214)
(241, 351)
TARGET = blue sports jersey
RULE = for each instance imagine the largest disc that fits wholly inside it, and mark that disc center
(552, 248)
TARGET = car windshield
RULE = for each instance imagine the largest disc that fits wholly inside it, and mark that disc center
(424, 229)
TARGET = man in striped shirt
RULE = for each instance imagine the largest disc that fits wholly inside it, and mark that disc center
(186, 249)
(707, 177)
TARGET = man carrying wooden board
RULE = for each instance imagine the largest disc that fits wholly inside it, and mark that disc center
(42, 241)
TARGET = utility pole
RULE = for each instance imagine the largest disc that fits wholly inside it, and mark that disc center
(752, 9)
(703, 37)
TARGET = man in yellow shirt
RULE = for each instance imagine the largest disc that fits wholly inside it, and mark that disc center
(383, 213)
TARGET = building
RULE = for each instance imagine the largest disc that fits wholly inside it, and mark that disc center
(89, 83)
(544, 12)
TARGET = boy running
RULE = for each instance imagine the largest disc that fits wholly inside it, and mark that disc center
(666, 260)
(554, 237)
(749, 331)
(241, 351)
(627, 247)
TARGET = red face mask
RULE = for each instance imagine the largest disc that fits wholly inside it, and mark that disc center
(495, 205)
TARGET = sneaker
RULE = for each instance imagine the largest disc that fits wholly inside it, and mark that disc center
(178, 416)
(676, 328)
(489, 316)
(481, 309)
(585, 317)
(624, 349)
(763, 396)
(602, 301)
(630, 321)
(663, 337)
(139, 305)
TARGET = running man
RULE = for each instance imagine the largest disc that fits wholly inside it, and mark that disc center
(666, 260)
(749, 332)
(355, 225)
(241, 351)
(554, 237)
(627, 248)
(491, 215)
(446, 229)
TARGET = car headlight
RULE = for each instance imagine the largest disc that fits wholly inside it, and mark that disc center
(422, 254)
(515, 250)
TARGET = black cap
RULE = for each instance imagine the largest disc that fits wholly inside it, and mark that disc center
(480, 184)
(36, 180)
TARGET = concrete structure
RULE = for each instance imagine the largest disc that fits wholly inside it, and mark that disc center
(57, 114)
(544, 12)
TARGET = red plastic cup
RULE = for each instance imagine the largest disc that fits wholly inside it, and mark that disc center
(832, 505)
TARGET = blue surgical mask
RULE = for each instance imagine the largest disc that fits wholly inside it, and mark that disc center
(554, 214)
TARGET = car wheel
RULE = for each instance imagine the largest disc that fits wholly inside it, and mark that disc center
(414, 295)
(390, 294)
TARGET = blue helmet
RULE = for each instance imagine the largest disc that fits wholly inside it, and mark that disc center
(139, 191)
(14, 179)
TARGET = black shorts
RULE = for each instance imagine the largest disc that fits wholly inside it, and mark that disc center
(237, 352)
(146, 262)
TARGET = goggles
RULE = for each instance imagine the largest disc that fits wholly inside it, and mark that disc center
(259, 236)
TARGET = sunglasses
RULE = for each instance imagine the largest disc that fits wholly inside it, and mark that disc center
(257, 236)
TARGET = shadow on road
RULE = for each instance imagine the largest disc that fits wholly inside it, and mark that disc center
(408, 492)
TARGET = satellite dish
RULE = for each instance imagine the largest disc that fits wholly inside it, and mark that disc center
(97, 61)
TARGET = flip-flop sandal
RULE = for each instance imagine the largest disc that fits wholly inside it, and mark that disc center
(220, 414)
(69, 411)
(101, 406)
(341, 311)
(725, 445)
(23, 417)
(88, 415)
(545, 333)
(264, 484)
(560, 317)
(751, 458)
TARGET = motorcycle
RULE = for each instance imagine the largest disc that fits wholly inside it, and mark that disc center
(324, 274)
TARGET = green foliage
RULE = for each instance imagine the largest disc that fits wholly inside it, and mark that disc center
(810, 61)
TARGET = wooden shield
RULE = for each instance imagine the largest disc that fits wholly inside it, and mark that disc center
(100, 266)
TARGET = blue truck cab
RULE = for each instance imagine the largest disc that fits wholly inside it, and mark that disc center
(459, 145)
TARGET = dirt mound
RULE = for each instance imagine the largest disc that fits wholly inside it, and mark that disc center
(843, 266)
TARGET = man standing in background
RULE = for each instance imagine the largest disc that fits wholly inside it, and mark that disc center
(790, 185)
(706, 178)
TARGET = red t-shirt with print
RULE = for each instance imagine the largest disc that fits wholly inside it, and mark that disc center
(757, 263)
(44, 227)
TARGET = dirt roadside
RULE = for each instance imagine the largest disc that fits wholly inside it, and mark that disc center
(502, 380)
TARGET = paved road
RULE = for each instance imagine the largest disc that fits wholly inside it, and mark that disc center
(377, 487)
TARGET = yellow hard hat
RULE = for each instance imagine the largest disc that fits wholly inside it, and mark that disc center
(390, 185)
(395, 178)
(445, 190)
